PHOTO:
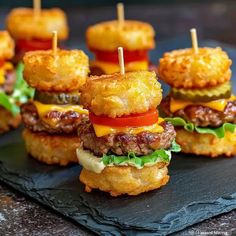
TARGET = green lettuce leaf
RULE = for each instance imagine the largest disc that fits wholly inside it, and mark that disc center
(160, 155)
(218, 132)
(8, 103)
(22, 92)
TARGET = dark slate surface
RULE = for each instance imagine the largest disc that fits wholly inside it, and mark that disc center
(199, 188)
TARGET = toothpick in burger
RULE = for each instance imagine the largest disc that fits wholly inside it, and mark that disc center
(51, 119)
(126, 146)
(31, 28)
(103, 39)
(200, 104)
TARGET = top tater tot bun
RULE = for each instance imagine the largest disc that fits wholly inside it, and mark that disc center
(7, 46)
(117, 95)
(185, 69)
(132, 35)
(66, 71)
(22, 23)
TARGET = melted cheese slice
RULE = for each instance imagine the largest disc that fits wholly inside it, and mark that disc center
(42, 109)
(110, 68)
(101, 130)
(219, 105)
(6, 66)
(45, 108)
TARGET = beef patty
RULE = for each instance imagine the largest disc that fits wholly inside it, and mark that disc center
(122, 143)
(53, 122)
(202, 116)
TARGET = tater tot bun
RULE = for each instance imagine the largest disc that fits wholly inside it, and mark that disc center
(132, 35)
(117, 95)
(186, 69)
(52, 149)
(23, 24)
(206, 144)
(66, 71)
(126, 180)
(7, 46)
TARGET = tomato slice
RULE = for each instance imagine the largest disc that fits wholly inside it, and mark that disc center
(129, 56)
(135, 120)
(33, 44)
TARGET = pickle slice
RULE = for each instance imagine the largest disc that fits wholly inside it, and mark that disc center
(203, 95)
(57, 98)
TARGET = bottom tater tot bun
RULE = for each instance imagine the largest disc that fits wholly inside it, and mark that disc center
(206, 144)
(52, 149)
(129, 180)
(8, 121)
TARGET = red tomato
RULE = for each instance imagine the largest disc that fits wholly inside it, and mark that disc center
(129, 56)
(143, 119)
(33, 44)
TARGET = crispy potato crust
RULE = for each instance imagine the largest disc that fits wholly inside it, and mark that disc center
(185, 69)
(65, 72)
(206, 144)
(133, 35)
(7, 46)
(52, 149)
(117, 95)
(126, 179)
(8, 121)
(22, 23)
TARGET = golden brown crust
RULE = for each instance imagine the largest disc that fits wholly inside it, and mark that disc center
(185, 69)
(22, 23)
(52, 149)
(126, 179)
(7, 46)
(206, 144)
(133, 35)
(8, 121)
(117, 95)
(65, 72)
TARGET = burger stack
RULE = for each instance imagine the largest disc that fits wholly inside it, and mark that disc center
(51, 119)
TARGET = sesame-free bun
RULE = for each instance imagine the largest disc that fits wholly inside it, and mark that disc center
(118, 180)
(117, 95)
(23, 24)
(132, 35)
(8, 121)
(185, 69)
(206, 144)
(66, 71)
(7, 46)
(52, 149)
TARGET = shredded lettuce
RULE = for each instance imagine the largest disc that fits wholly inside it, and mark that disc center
(218, 132)
(160, 155)
(22, 92)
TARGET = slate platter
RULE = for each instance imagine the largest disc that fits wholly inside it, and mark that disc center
(199, 187)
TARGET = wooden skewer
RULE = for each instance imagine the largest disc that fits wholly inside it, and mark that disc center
(54, 42)
(37, 8)
(121, 60)
(120, 13)
(194, 40)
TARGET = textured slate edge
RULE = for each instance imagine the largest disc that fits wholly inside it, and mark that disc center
(173, 222)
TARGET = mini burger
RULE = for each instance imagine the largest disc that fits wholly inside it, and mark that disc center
(200, 103)
(126, 146)
(103, 39)
(33, 31)
(51, 119)
(13, 90)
